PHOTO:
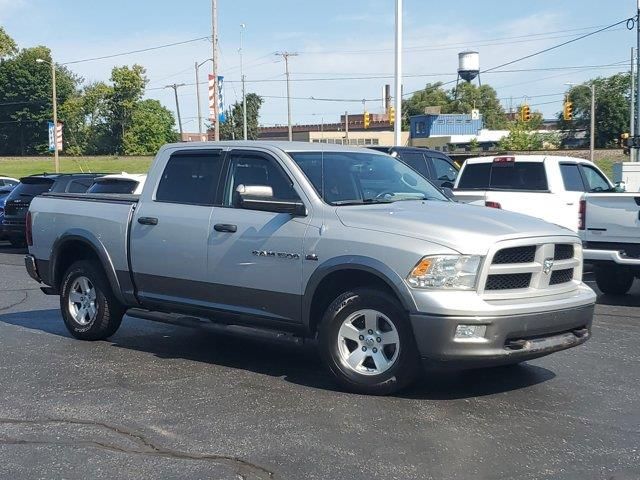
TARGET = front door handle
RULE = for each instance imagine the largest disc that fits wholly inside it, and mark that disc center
(223, 227)
(147, 221)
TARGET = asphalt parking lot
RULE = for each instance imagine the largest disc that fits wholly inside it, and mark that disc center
(159, 401)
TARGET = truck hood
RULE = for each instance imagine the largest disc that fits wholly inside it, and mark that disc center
(468, 229)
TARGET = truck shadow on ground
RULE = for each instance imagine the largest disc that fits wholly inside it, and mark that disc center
(299, 365)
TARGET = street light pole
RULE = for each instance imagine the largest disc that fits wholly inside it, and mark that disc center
(216, 94)
(244, 92)
(54, 88)
(398, 75)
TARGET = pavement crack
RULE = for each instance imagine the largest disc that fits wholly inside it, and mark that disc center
(147, 447)
(19, 302)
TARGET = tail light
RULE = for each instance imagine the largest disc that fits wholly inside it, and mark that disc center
(28, 231)
(582, 215)
(493, 205)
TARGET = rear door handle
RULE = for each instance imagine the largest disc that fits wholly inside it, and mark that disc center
(147, 221)
(223, 227)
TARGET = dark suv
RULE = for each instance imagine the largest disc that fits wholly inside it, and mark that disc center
(17, 203)
(431, 164)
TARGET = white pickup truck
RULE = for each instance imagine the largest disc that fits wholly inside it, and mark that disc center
(610, 234)
(548, 187)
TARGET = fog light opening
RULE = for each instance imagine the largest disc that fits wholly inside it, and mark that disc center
(470, 333)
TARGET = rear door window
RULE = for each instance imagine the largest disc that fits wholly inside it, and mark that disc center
(191, 178)
(571, 177)
(81, 185)
(416, 161)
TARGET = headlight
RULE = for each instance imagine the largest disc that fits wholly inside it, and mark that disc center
(453, 272)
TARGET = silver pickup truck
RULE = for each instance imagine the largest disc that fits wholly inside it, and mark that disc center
(345, 246)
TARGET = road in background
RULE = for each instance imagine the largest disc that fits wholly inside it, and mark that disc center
(159, 401)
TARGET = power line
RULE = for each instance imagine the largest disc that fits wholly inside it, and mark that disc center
(142, 50)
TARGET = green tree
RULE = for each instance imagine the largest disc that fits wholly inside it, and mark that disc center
(151, 126)
(25, 92)
(612, 108)
(467, 97)
(8, 47)
(233, 127)
(523, 137)
(128, 88)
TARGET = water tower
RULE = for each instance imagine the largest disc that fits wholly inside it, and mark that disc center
(468, 67)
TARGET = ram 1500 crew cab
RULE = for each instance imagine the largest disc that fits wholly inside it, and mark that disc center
(347, 246)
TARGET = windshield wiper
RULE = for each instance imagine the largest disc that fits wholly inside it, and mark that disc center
(366, 201)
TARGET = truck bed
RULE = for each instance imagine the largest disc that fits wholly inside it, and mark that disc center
(105, 218)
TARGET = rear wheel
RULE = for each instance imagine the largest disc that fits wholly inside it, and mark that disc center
(367, 343)
(89, 308)
(614, 280)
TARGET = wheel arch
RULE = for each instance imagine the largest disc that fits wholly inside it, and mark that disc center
(338, 274)
(77, 245)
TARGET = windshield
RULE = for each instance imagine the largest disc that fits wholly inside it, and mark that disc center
(352, 178)
(114, 186)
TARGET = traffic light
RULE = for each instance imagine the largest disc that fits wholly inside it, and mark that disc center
(392, 115)
(525, 113)
(367, 120)
(567, 111)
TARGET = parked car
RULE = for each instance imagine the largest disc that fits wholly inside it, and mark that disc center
(17, 203)
(431, 164)
(544, 186)
(4, 193)
(8, 182)
(125, 183)
(610, 230)
(339, 244)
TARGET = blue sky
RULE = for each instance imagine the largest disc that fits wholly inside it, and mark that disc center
(351, 38)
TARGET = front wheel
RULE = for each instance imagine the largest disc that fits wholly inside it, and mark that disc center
(367, 343)
(89, 308)
(614, 280)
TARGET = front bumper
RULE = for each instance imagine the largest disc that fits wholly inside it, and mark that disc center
(612, 256)
(508, 339)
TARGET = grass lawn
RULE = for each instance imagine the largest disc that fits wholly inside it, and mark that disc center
(22, 166)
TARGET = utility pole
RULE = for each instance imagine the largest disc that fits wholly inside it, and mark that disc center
(633, 154)
(244, 92)
(198, 100)
(636, 132)
(592, 142)
(216, 94)
(286, 56)
(398, 75)
(175, 87)
(54, 88)
(346, 127)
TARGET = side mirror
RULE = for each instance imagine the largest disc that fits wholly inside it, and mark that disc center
(448, 193)
(620, 187)
(448, 185)
(260, 197)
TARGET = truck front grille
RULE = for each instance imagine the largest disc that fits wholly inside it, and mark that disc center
(563, 251)
(515, 255)
(508, 282)
(532, 269)
(561, 276)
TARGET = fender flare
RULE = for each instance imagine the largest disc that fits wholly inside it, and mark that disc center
(356, 262)
(94, 243)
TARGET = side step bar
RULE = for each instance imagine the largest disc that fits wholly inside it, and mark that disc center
(202, 323)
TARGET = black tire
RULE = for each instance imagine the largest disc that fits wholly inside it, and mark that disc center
(614, 280)
(406, 366)
(109, 311)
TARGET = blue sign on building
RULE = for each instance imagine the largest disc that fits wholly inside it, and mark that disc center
(430, 125)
